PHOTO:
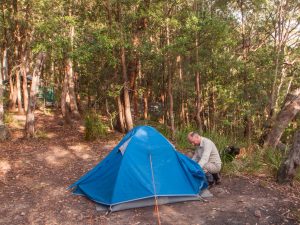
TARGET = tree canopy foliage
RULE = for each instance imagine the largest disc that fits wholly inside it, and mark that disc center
(224, 66)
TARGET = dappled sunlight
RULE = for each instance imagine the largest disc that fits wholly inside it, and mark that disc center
(168, 214)
(18, 164)
(60, 191)
(5, 167)
(81, 128)
(80, 150)
(52, 135)
(56, 156)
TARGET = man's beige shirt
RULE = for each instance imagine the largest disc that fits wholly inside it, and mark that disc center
(207, 152)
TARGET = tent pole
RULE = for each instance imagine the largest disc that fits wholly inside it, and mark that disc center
(155, 197)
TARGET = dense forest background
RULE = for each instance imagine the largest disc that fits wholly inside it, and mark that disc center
(229, 69)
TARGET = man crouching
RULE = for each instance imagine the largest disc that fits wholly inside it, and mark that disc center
(207, 156)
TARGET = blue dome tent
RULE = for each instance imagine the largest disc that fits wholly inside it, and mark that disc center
(142, 168)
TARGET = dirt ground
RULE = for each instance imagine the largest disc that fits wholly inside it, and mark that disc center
(34, 175)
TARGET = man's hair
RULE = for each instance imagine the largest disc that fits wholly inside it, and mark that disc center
(193, 133)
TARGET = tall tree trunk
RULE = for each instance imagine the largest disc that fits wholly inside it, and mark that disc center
(70, 70)
(4, 69)
(64, 94)
(4, 133)
(288, 168)
(278, 41)
(133, 71)
(65, 97)
(30, 120)
(287, 113)
(1, 100)
(127, 108)
(245, 48)
(71, 89)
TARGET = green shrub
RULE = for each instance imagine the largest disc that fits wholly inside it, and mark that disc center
(8, 119)
(41, 134)
(254, 162)
(273, 158)
(94, 127)
(163, 129)
(181, 138)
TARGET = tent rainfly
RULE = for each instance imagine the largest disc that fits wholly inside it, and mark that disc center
(143, 169)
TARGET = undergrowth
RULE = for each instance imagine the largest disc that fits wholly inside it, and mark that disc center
(253, 159)
(94, 127)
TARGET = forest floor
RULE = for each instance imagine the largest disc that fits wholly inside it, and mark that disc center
(34, 175)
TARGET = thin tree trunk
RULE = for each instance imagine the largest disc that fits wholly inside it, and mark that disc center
(127, 108)
(198, 102)
(121, 115)
(198, 91)
(180, 73)
(19, 96)
(135, 90)
(246, 119)
(111, 117)
(170, 87)
(212, 109)
(24, 84)
(287, 171)
(187, 116)
(30, 120)
(287, 113)
(13, 94)
(145, 101)
(171, 102)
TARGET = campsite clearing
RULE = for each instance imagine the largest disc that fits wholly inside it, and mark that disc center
(34, 175)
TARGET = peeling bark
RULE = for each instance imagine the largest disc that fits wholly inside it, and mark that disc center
(287, 171)
(127, 108)
(285, 116)
(30, 119)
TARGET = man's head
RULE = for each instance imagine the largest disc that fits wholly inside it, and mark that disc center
(194, 138)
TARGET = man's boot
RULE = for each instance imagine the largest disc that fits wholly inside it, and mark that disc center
(217, 178)
(210, 179)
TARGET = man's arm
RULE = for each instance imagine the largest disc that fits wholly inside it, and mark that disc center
(196, 156)
(205, 155)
